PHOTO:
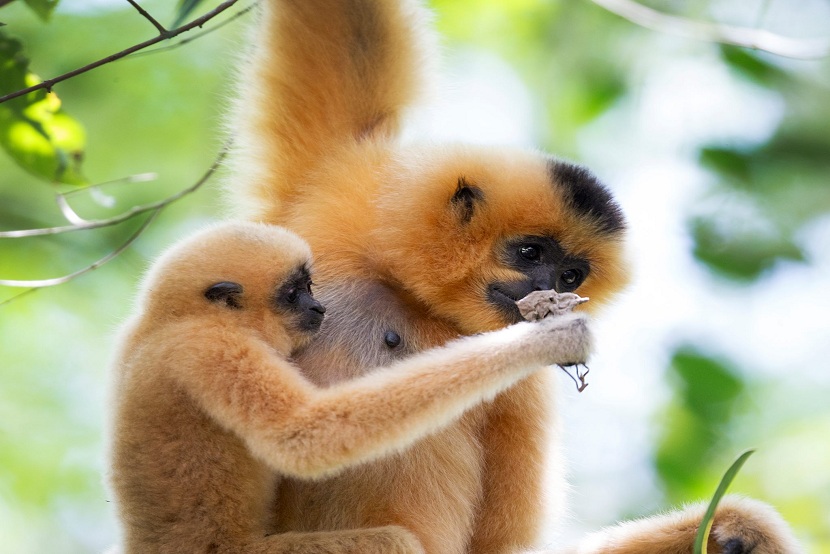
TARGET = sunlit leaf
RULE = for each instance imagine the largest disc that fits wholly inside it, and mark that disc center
(34, 129)
(184, 9)
(43, 8)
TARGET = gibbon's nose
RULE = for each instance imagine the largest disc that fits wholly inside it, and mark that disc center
(544, 279)
(317, 307)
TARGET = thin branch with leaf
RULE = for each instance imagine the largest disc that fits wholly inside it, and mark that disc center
(163, 35)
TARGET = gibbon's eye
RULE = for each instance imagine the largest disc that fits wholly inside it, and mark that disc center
(292, 295)
(571, 278)
(530, 252)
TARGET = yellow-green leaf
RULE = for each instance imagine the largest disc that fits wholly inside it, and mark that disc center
(34, 129)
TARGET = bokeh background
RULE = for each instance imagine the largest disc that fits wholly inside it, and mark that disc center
(719, 155)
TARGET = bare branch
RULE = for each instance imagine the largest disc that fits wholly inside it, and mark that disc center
(162, 31)
(49, 83)
(20, 295)
(129, 214)
(154, 209)
(190, 39)
(68, 213)
(758, 39)
(66, 278)
(137, 178)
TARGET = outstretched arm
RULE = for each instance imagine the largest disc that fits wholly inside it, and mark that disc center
(322, 74)
(310, 432)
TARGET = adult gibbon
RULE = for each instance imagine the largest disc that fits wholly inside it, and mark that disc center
(414, 246)
(208, 411)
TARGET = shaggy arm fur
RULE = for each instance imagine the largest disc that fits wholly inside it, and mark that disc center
(308, 432)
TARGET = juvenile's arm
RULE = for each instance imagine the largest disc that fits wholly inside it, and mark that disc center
(309, 432)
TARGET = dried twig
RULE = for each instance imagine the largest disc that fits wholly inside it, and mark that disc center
(579, 378)
(746, 37)
(166, 35)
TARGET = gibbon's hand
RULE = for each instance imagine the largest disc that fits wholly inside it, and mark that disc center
(565, 339)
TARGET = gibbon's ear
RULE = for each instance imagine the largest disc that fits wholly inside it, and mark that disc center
(226, 293)
(465, 200)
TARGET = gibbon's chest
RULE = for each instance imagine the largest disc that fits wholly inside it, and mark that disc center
(431, 488)
(367, 326)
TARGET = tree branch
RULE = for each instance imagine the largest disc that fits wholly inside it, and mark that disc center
(162, 31)
(197, 36)
(129, 214)
(154, 208)
(39, 284)
(758, 39)
(49, 83)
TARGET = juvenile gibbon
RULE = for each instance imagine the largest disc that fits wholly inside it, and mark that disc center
(414, 246)
(209, 412)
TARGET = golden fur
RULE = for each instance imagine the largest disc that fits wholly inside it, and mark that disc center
(415, 240)
(210, 414)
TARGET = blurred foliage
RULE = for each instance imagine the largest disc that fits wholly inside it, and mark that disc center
(783, 182)
(706, 393)
(160, 113)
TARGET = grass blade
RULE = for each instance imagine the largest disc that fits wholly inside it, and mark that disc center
(706, 523)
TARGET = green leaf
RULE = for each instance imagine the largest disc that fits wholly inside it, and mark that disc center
(752, 66)
(709, 517)
(183, 11)
(728, 162)
(737, 250)
(34, 129)
(707, 391)
(43, 8)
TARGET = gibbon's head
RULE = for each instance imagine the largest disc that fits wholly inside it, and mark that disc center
(255, 275)
(470, 230)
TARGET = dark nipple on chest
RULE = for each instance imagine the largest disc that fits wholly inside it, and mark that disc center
(392, 339)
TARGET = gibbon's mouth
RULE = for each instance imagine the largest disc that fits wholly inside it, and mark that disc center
(311, 321)
(503, 297)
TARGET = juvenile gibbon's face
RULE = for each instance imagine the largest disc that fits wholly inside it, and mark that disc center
(256, 275)
(469, 231)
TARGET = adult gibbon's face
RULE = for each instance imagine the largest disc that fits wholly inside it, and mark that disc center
(476, 229)
(545, 265)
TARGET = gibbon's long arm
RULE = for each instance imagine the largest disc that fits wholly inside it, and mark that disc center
(321, 74)
(308, 432)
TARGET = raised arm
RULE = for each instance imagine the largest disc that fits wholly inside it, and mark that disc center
(310, 432)
(321, 74)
